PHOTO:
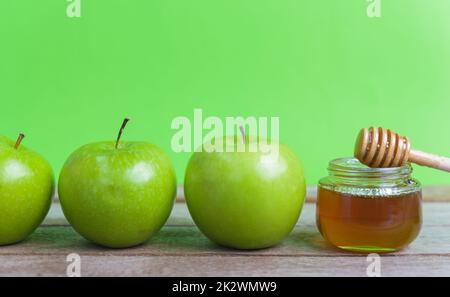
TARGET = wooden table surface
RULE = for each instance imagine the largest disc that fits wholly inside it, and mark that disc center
(179, 249)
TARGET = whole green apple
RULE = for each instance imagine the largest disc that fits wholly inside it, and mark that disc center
(245, 200)
(117, 194)
(26, 188)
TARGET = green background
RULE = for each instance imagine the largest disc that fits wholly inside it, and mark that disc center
(323, 67)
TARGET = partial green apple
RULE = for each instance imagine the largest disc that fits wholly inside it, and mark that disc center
(245, 200)
(26, 188)
(117, 194)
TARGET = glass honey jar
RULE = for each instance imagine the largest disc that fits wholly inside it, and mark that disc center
(363, 209)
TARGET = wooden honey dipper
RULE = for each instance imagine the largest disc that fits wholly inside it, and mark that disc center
(380, 147)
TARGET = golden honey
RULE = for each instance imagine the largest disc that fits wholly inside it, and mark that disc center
(366, 209)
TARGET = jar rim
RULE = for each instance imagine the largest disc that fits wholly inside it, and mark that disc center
(350, 166)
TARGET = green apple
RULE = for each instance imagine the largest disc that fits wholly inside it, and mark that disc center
(26, 188)
(245, 200)
(117, 194)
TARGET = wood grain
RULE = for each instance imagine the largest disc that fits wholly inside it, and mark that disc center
(214, 265)
(180, 249)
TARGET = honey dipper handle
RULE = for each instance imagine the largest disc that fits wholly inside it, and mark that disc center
(429, 160)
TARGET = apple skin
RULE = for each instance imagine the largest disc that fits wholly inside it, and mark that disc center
(117, 197)
(26, 188)
(245, 200)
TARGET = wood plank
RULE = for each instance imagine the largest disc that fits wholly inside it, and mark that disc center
(188, 241)
(178, 266)
(181, 237)
(180, 249)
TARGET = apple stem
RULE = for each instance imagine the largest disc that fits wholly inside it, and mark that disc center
(19, 140)
(242, 133)
(124, 123)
